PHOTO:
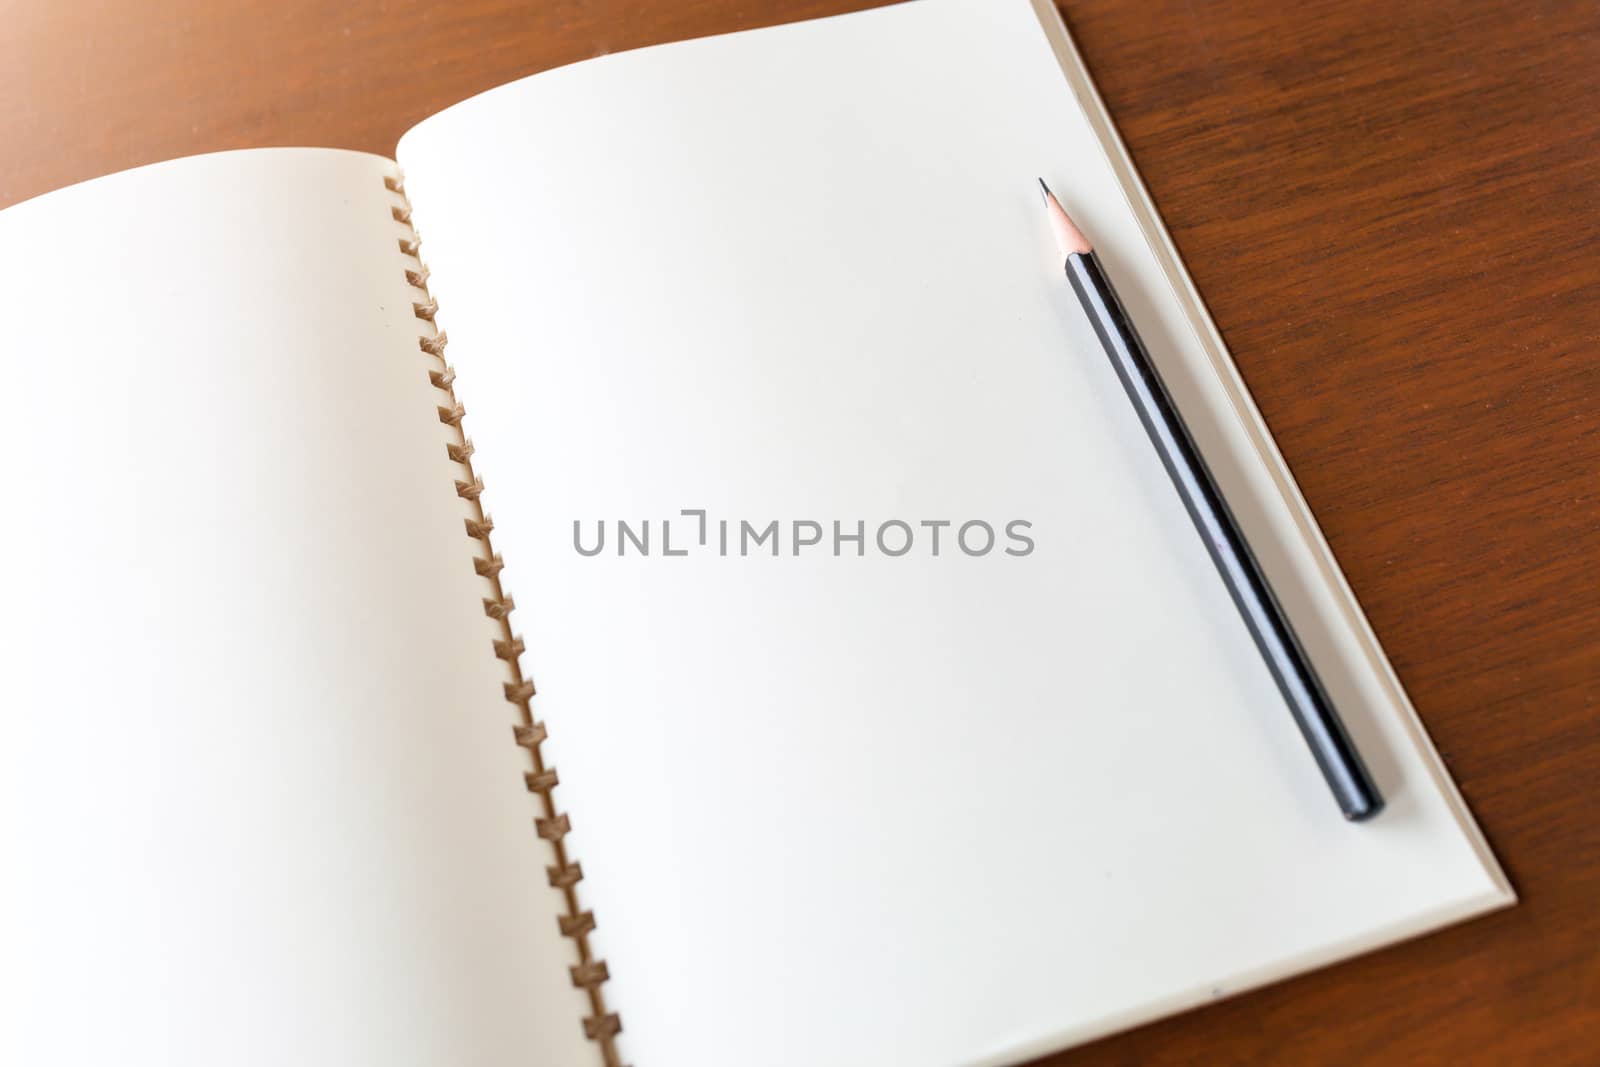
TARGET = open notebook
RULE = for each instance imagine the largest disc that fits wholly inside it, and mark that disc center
(275, 787)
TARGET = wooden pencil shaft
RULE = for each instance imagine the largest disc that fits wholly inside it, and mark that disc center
(1335, 754)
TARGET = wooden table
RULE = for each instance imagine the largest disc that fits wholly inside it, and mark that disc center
(1394, 213)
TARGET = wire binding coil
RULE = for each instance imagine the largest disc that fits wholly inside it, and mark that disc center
(552, 825)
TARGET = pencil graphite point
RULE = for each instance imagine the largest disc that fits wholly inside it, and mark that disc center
(1069, 238)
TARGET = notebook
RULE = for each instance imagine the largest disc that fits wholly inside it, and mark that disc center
(866, 696)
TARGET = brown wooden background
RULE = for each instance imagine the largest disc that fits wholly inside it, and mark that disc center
(1393, 211)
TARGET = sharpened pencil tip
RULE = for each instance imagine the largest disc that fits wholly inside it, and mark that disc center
(1069, 238)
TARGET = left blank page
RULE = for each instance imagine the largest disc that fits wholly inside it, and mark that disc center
(259, 801)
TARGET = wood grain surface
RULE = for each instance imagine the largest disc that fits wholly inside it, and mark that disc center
(1393, 212)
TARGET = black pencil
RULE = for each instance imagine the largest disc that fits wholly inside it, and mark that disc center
(1308, 702)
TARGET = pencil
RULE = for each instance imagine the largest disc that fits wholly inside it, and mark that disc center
(1308, 702)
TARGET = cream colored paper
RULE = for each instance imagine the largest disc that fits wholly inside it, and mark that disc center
(914, 810)
(259, 801)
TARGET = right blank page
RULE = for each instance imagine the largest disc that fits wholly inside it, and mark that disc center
(921, 808)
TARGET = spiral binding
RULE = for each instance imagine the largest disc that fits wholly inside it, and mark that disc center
(589, 974)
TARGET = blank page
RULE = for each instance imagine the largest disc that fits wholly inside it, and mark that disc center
(259, 800)
(869, 807)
